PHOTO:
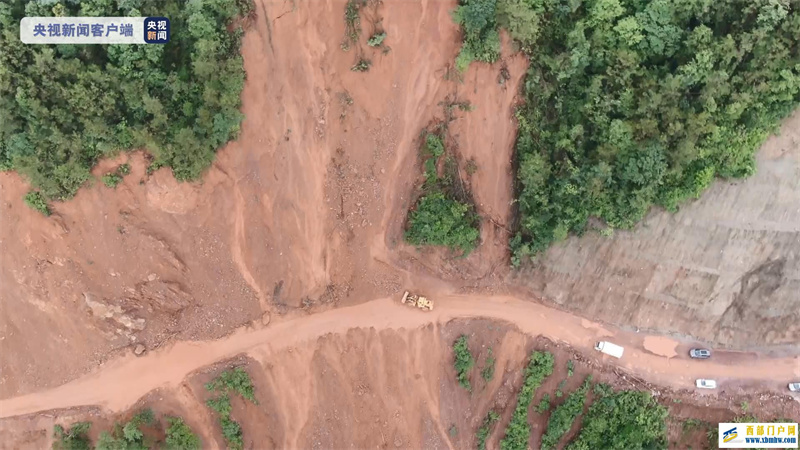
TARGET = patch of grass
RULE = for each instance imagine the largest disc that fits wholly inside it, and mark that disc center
(745, 406)
(463, 362)
(570, 368)
(488, 366)
(564, 416)
(518, 432)
(376, 39)
(486, 428)
(180, 436)
(362, 65)
(124, 169)
(544, 404)
(36, 200)
(76, 437)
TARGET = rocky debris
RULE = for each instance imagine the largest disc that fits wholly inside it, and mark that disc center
(139, 349)
(113, 312)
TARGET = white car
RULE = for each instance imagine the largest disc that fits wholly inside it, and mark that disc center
(706, 384)
(794, 387)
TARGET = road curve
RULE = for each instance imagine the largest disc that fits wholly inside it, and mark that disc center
(119, 383)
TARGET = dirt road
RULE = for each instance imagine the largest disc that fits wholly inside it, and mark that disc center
(120, 383)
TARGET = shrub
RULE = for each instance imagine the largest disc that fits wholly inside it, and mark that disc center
(36, 200)
(625, 420)
(488, 367)
(544, 404)
(570, 368)
(463, 362)
(127, 436)
(74, 438)
(111, 180)
(362, 65)
(486, 428)
(180, 436)
(518, 431)
(564, 416)
(231, 430)
(376, 39)
(78, 104)
(237, 380)
(352, 21)
(124, 169)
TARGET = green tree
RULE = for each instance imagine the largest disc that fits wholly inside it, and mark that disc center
(518, 431)
(463, 362)
(631, 104)
(625, 420)
(65, 107)
(75, 437)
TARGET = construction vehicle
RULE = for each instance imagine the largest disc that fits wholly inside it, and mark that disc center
(415, 300)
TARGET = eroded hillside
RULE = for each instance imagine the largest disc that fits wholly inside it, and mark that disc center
(306, 211)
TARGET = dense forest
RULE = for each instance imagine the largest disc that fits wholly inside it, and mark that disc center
(630, 103)
(65, 106)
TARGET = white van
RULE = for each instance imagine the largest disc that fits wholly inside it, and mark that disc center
(609, 349)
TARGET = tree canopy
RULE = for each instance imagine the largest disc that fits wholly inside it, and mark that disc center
(625, 420)
(66, 106)
(631, 103)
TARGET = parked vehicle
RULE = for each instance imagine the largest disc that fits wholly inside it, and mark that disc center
(794, 387)
(700, 353)
(609, 349)
(706, 384)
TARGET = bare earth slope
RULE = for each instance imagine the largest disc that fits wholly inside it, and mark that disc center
(293, 214)
(725, 268)
(305, 211)
(330, 384)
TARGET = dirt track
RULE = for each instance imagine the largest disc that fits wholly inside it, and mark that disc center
(171, 365)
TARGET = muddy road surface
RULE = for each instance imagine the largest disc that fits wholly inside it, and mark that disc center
(120, 383)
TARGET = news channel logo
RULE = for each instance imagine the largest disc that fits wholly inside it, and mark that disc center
(94, 30)
(758, 435)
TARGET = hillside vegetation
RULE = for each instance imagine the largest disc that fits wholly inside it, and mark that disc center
(66, 106)
(631, 103)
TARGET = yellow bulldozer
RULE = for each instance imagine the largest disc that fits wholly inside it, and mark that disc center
(418, 301)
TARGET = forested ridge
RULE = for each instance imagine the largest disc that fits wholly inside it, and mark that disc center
(631, 103)
(66, 106)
